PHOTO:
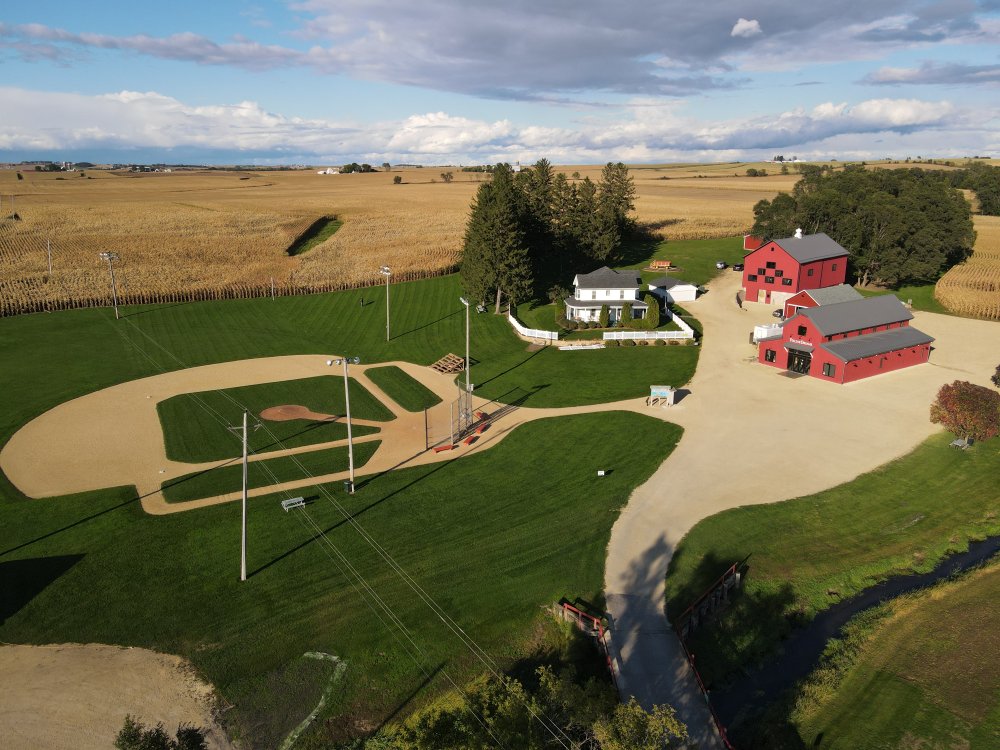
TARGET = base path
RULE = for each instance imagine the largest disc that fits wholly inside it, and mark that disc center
(75, 697)
(753, 435)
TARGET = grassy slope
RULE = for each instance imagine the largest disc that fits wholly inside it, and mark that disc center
(227, 477)
(694, 259)
(170, 582)
(903, 516)
(922, 297)
(925, 677)
(410, 394)
(193, 428)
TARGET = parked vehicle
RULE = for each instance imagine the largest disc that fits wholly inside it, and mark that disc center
(737, 266)
(720, 264)
(779, 313)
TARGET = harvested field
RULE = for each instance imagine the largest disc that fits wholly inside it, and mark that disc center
(973, 288)
(190, 235)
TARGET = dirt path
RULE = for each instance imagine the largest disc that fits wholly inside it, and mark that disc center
(75, 697)
(755, 436)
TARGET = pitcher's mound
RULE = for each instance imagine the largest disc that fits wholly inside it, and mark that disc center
(293, 411)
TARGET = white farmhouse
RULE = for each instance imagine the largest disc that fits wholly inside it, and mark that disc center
(605, 287)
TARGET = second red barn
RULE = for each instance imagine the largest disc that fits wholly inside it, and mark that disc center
(777, 269)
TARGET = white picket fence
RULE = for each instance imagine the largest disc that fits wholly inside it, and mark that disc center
(686, 332)
(532, 333)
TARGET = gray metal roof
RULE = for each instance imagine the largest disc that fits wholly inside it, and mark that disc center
(872, 344)
(670, 282)
(831, 295)
(606, 278)
(854, 315)
(809, 248)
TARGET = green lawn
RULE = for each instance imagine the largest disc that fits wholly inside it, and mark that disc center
(194, 431)
(922, 297)
(228, 477)
(317, 234)
(491, 537)
(694, 259)
(904, 516)
(410, 394)
(922, 675)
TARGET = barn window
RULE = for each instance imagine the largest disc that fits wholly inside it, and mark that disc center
(802, 330)
(751, 277)
(760, 271)
(779, 273)
(833, 267)
(769, 355)
(771, 264)
(809, 272)
(768, 279)
(829, 370)
(786, 282)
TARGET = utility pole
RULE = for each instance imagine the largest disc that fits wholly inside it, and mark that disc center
(384, 270)
(243, 534)
(110, 258)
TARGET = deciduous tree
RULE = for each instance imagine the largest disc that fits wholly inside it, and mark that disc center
(967, 410)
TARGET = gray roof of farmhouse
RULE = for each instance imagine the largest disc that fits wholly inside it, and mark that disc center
(856, 314)
(872, 344)
(809, 248)
(830, 295)
(606, 278)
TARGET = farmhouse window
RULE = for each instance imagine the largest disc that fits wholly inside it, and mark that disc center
(786, 282)
(593, 295)
(802, 331)
(829, 370)
(769, 355)
(621, 294)
(771, 264)
(809, 272)
(768, 279)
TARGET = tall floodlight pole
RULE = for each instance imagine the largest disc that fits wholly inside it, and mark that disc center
(243, 534)
(384, 270)
(468, 386)
(347, 400)
(111, 258)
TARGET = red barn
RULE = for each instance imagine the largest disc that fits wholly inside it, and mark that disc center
(828, 295)
(781, 268)
(847, 341)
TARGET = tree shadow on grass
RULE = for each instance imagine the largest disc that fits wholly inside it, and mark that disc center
(22, 580)
(510, 369)
(428, 325)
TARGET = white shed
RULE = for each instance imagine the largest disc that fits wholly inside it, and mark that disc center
(674, 290)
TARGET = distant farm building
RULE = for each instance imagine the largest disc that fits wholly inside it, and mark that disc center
(329, 170)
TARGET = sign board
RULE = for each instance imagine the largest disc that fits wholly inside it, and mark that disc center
(661, 394)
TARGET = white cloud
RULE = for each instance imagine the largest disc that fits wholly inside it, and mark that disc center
(126, 121)
(745, 28)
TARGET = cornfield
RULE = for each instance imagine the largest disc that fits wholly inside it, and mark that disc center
(194, 235)
(973, 288)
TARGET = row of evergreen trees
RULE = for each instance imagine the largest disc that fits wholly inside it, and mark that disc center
(901, 226)
(527, 229)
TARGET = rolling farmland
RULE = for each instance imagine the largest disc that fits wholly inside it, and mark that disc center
(190, 235)
(973, 288)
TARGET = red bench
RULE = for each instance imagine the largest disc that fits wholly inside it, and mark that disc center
(481, 429)
(471, 439)
(441, 448)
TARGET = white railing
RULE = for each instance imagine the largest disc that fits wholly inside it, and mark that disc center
(531, 333)
(686, 332)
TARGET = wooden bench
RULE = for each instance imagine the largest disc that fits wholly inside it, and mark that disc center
(480, 309)
(658, 265)
(293, 502)
(442, 448)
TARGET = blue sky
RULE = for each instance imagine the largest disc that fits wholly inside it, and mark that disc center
(469, 81)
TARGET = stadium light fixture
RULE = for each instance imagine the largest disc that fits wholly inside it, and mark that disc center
(385, 271)
(345, 361)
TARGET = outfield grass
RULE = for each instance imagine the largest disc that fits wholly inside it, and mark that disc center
(228, 477)
(902, 517)
(195, 425)
(695, 259)
(922, 297)
(490, 553)
(410, 394)
(921, 674)
(317, 234)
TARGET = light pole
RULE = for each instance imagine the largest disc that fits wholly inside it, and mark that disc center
(464, 301)
(110, 258)
(243, 525)
(384, 270)
(347, 399)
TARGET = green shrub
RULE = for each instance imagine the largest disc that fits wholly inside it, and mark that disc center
(604, 316)
(659, 342)
(628, 342)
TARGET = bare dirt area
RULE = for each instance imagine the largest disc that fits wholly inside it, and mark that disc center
(75, 696)
(289, 412)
